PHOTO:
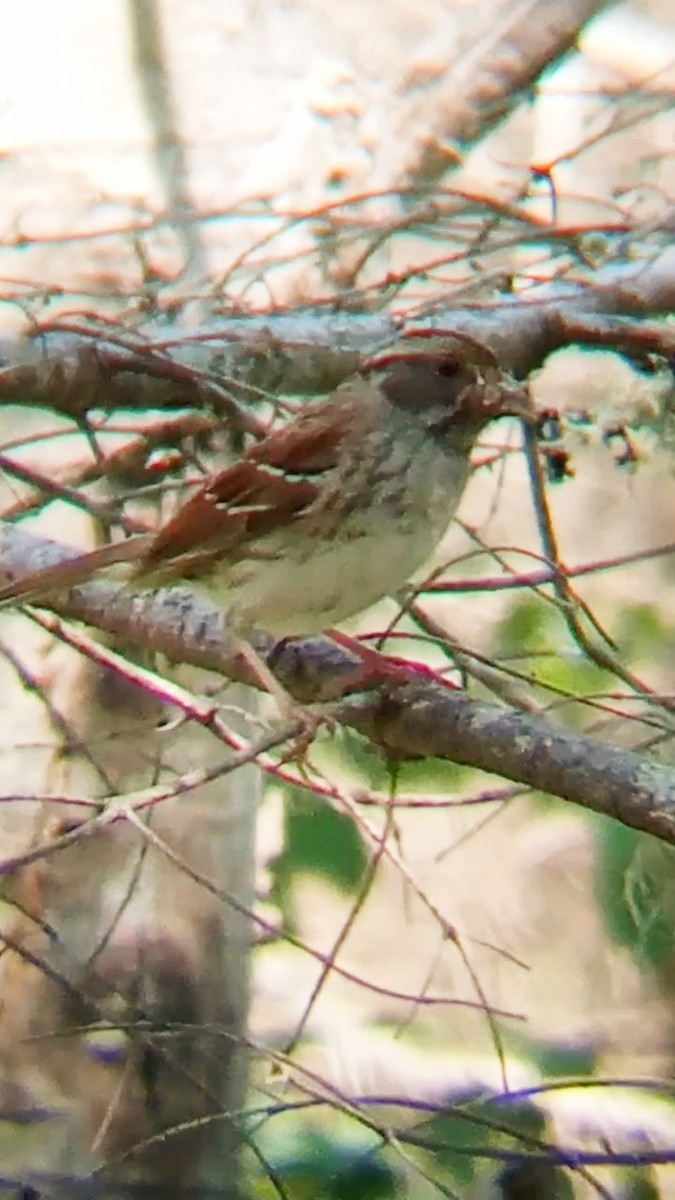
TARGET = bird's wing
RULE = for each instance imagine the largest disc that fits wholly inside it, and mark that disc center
(69, 573)
(271, 486)
(274, 483)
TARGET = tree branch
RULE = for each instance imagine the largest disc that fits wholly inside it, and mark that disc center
(493, 77)
(72, 370)
(411, 720)
(432, 721)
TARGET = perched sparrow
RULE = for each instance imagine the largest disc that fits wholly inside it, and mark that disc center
(332, 511)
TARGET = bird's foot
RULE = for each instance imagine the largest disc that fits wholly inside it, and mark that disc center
(304, 723)
(301, 741)
(379, 668)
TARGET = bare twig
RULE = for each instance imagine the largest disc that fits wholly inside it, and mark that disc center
(73, 369)
(412, 720)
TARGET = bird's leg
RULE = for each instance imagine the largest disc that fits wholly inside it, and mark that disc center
(288, 707)
(265, 679)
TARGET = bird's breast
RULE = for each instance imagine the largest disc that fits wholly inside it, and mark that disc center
(337, 561)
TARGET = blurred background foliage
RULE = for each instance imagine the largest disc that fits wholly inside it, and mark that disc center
(462, 989)
(455, 1144)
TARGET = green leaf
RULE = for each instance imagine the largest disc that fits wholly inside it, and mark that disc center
(528, 625)
(318, 840)
(635, 889)
(563, 1059)
(312, 1164)
(457, 1142)
(641, 629)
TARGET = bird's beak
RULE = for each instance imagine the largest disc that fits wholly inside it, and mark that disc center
(516, 400)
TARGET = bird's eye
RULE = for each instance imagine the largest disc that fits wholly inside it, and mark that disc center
(448, 368)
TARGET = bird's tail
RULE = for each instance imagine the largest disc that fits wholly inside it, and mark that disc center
(69, 573)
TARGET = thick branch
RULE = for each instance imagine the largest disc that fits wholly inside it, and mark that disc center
(437, 722)
(493, 77)
(410, 720)
(295, 353)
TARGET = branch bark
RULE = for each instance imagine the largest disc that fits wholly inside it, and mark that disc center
(493, 77)
(408, 721)
(72, 370)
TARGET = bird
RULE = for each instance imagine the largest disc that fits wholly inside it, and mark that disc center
(330, 512)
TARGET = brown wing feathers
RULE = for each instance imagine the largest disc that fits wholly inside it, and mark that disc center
(246, 500)
(253, 497)
(257, 495)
